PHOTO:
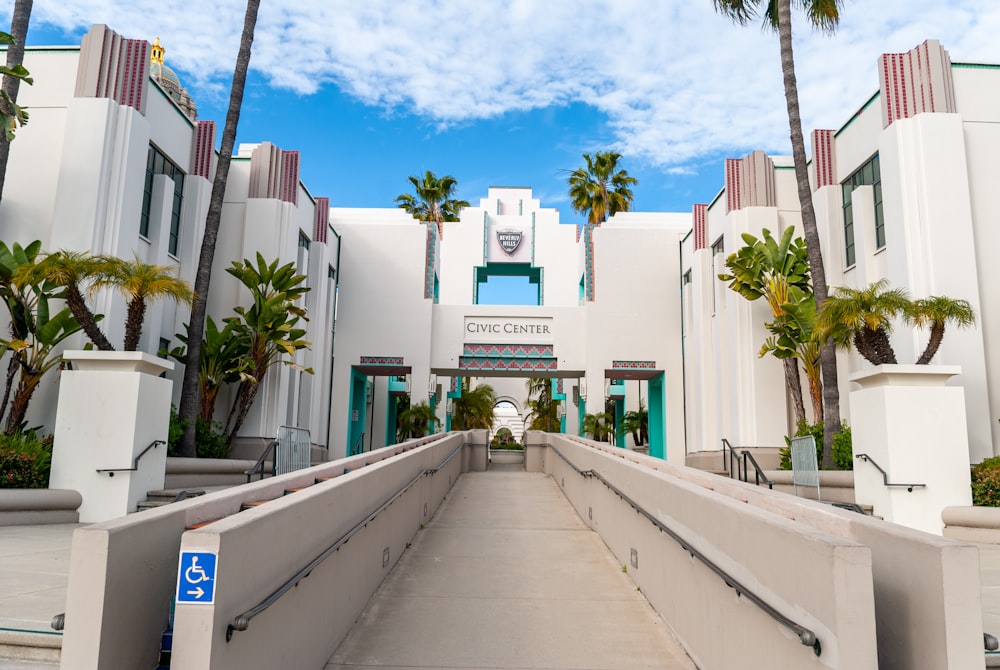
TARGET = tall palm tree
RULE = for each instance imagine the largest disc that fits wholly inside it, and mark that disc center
(189, 402)
(601, 189)
(823, 15)
(140, 283)
(14, 73)
(934, 312)
(432, 199)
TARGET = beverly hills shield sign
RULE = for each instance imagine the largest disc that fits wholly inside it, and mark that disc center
(509, 239)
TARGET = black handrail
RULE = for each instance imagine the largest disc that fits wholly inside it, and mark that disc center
(758, 473)
(258, 467)
(990, 642)
(242, 621)
(885, 476)
(135, 463)
(806, 636)
(727, 466)
(357, 442)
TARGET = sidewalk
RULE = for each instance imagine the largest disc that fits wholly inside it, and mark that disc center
(508, 576)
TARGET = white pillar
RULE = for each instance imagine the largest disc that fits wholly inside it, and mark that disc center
(913, 426)
(112, 405)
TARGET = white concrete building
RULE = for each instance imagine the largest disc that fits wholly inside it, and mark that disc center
(630, 310)
(903, 190)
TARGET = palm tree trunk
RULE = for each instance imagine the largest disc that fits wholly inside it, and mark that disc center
(133, 323)
(196, 328)
(78, 306)
(22, 396)
(792, 381)
(937, 335)
(817, 271)
(15, 56)
(11, 373)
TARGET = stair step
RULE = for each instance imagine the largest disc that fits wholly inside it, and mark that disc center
(252, 503)
(202, 524)
(36, 647)
(295, 490)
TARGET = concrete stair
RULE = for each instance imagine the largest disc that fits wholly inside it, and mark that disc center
(27, 649)
(167, 496)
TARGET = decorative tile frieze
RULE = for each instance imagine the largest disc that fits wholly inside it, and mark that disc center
(496, 364)
(633, 365)
(382, 361)
(509, 350)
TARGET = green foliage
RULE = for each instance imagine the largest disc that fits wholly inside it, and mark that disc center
(416, 421)
(209, 440)
(986, 483)
(12, 115)
(25, 461)
(602, 189)
(432, 199)
(843, 455)
(474, 408)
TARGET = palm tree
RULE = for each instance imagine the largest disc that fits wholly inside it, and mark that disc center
(199, 308)
(544, 411)
(934, 312)
(770, 269)
(432, 199)
(223, 360)
(76, 271)
(140, 283)
(637, 423)
(795, 337)
(863, 317)
(602, 188)
(600, 427)
(823, 15)
(415, 421)
(268, 326)
(474, 408)
(13, 74)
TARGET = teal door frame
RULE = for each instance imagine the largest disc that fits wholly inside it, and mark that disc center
(656, 391)
(356, 412)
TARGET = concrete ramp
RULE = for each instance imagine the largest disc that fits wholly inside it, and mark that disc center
(508, 576)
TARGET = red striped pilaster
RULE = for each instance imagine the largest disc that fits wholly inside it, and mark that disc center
(823, 159)
(734, 186)
(290, 177)
(700, 216)
(201, 152)
(916, 82)
(322, 219)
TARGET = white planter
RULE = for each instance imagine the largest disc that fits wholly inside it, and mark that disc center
(913, 426)
(112, 405)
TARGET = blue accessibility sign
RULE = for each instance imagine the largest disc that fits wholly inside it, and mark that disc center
(196, 577)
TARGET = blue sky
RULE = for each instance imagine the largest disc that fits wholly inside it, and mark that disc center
(512, 93)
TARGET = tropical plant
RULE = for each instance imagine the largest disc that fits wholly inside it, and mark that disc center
(601, 189)
(986, 483)
(35, 330)
(600, 426)
(769, 268)
(636, 421)
(934, 312)
(432, 199)
(140, 283)
(25, 460)
(864, 318)
(268, 325)
(543, 411)
(825, 16)
(76, 271)
(190, 397)
(795, 337)
(223, 360)
(11, 114)
(474, 408)
(210, 441)
(416, 421)
(843, 454)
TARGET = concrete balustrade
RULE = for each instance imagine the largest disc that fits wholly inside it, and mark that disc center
(123, 572)
(22, 507)
(818, 579)
(927, 588)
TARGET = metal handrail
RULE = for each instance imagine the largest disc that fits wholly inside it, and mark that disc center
(990, 642)
(758, 473)
(242, 621)
(357, 442)
(885, 476)
(727, 466)
(806, 636)
(135, 463)
(258, 467)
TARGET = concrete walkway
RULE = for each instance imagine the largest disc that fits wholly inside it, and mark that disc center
(507, 576)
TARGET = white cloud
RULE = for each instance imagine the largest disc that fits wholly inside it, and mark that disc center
(677, 80)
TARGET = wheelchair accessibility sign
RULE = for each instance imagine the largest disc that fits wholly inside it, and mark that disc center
(196, 578)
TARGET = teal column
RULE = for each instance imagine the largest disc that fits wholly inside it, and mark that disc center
(658, 416)
(561, 397)
(390, 419)
(620, 422)
(356, 420)
(581, 410)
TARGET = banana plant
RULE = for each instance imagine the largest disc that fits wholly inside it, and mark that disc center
(222, 360)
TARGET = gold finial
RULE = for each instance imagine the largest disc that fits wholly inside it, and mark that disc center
(156, 53)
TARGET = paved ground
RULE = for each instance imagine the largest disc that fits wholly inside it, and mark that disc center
(508, 576)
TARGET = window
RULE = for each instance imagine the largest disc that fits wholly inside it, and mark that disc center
(718, 247)
(157, 163)
(869, 174)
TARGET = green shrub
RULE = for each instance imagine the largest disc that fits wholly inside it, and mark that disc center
(986, 483)
(209, 441)
(843, 455)
(25, 461)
